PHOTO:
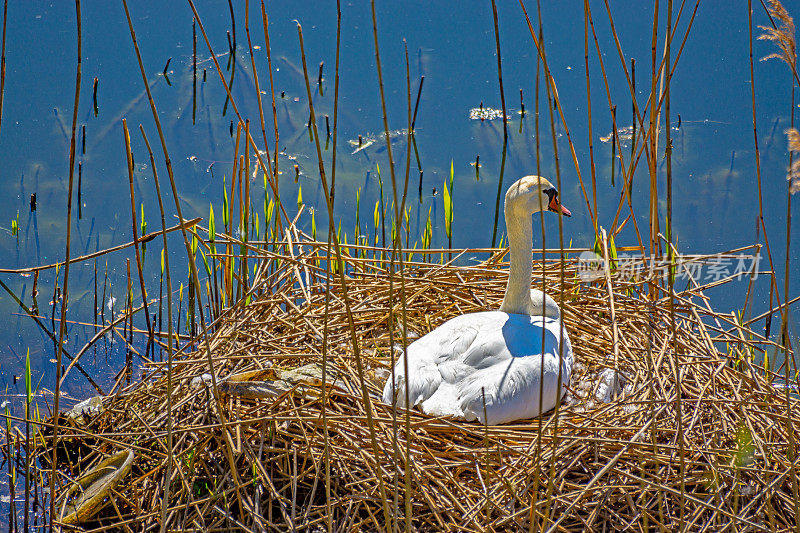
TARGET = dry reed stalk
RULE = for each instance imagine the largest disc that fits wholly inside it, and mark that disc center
(265, 23)
(190, 257)
(324, 399)
(505, 124)
(339, 258)
(595, 214)
(144, 238)
(170, 337)
(63, 322)
(135, 233)
(255, 80)
(784, 37)
(3, 59)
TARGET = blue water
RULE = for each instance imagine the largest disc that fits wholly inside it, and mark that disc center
(715, 191)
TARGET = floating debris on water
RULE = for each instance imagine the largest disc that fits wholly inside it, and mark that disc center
(625, 135)
(485, 113)
(366, 140)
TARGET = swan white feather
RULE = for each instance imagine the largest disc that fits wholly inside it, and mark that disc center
(494, 366)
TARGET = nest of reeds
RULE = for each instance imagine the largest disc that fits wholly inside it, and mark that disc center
(691, 437)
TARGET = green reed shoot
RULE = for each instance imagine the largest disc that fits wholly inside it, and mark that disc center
(269, 209)
(383, 210)
(15, 226)
(427, 233)
(394, 229)
(358, 211)
(212, 230)
(299, 197)
(225, 209)
(375, 222)
(12, 473)
(448, 208)
(143, 228)
(28, 399)
(205, 263)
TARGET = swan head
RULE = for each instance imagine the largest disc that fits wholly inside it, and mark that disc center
(532, 194)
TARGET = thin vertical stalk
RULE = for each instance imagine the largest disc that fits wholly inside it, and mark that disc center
(397, 245)
(787, 353)
(3, 59)
(671, 274)
(233, 25)
(325, 324)
(194, 69)
(589, 113)
(128, 324)
(416, 105)
(773, 279)
(255, 79)
(534, 519)
(136, 232)
(340, 271)
(233, 179)
(193, 267)
(170, 336)
(653, 139)
(63, 323)
(245, 224)
(551, 98)
(773, 285)
(265, 22)
(505, 124)
(789, 56)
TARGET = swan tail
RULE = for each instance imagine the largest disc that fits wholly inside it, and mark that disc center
(424, 381)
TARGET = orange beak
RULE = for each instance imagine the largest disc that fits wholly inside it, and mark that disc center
(556, 206)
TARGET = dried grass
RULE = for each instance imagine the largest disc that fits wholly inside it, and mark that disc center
(615, 464)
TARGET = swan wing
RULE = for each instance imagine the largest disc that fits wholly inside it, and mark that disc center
(521, 380)
(487, 366)
(436, 358)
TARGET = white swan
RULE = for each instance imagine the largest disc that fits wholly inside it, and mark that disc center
(492, 362)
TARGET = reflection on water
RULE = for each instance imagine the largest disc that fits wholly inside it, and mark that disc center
(715, 196)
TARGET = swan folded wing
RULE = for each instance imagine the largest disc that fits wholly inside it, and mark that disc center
(485, 366)
(510, 391)
(432, 359)
(510, 369)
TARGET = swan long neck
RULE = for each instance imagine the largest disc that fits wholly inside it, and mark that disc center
(517, 299)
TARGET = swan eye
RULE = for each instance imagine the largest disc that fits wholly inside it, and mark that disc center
(551, 193)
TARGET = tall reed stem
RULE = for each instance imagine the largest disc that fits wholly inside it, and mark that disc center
(170, 338)
(324, 408)
(365, 398)
(228, 445)
(505, 124)
(3, 59)
(135, 232)
(63, 324)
